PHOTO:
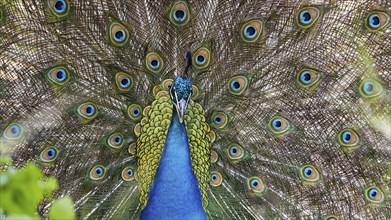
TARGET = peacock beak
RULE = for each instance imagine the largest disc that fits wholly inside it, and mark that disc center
(181, 108)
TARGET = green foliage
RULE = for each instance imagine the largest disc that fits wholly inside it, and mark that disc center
(22, 190)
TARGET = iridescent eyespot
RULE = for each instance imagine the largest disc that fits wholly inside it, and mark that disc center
(215, 178)
(256, 185)
(87, 111)
(49, 154)
(13, 131)
(201, 58)
(179, 14)
(235, 152)
(371, 89)
(118, 33)
(374, 195)
(98, 172)
(308, 16)
(128, 174)
(279, 125)
(154, 62)
(213, 156)
(237, 85)
(348, 138)
(377, 20)
(219, 120)
(196, 92)
(134, 112)
(60, 8)
(309, 173)
(308, 78)
(132, 149)
(115, 140)
(331, 217)
(251, 31)
(58, 75)
(166, 84)
(123, 82)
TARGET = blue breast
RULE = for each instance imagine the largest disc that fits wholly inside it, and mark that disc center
(174, 193)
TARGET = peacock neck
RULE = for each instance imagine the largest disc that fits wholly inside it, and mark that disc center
(174, 193)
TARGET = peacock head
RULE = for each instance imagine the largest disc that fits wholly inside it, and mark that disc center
(181, 91)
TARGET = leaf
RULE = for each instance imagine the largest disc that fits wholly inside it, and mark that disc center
(62, 209)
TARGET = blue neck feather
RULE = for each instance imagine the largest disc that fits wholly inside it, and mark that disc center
(174, 193)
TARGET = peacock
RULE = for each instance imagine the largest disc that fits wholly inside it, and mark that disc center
(202, 109)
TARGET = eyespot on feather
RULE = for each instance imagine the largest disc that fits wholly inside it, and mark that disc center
(309, 173)
(256, 185)
(237, 85)
(98, 172)
(154, 62)
(49, 154)
(348, 138)
(219, 120)
(213, 156)
(135, 112)
(179, 14)
(371, 89)
(124, 82)
(59, 75)
(235, 152)
(60, 8)
(377, 20)
(308, 78)
(118, 33)
(87, 111)
(374, 195)
(251, 31)
(13, 131)
(201, 58)
(116, 140)
(308, 16)
(215, 179)
(279, 125)
(128, 174)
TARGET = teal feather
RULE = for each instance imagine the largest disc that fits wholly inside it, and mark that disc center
(343, 45)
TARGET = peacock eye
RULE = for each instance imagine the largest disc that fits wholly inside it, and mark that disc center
(348, 138)
(58, 75)
(251, 31)
(49, 154)
(134, 111)
(215, 179)
(201, 58)
(123, 82)
(308, 16)
(377, 20)
(371, 89)
(279, 125)
(154, 62)
(308, 78)
(13, 131)
(256, 185)
(179, 14)
(128, 174)
(97, 172)
(132, 149)
(59, 7)
(213, 156)
(237, 85)
(118, 33)
(235, 152)
(115, 140)
(87, 111)
(195, 92)
(330, 217)
(309, 173)
(374, 195)
(219, 120)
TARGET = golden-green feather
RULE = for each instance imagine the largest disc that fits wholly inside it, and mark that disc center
(289, 116)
